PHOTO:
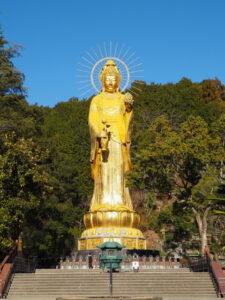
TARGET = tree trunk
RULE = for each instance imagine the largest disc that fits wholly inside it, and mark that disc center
(202, 227)
(204, 241)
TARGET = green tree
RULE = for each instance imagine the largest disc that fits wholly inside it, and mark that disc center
(15, 113)
(66, 134)
(182, 162)
(56, 226)
(23, 185)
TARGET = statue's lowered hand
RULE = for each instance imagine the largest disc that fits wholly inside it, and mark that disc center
(102, 134)
(104, 140)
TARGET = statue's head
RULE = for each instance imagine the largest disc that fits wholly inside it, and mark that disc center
(110, 77)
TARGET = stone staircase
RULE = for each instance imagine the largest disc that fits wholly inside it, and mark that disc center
(53, 283)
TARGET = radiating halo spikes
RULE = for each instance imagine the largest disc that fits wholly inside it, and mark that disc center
(91, 66)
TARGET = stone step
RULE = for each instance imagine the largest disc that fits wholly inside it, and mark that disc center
(195, 275)
(149, 297)
(59, 272)
(138, 280)
(122, 295)
(142, 271)
(115, 287)
(98, 281)
(95, 283)
(84, 284)
(76, 271)
(106, 285)
(116, 274)
(155, 283)
(119, 294)
(132, 280)
(192, 275)
(120, 290)
(149, 270)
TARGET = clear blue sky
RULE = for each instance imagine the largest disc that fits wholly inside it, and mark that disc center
(174, 38)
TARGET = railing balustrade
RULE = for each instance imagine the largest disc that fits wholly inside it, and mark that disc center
(207, 264)
(12, 264)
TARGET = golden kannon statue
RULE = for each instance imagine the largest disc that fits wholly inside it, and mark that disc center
(111, 216)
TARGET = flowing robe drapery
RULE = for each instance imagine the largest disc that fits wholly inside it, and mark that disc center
(110, 192)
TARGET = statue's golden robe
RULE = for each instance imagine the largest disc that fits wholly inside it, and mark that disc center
(110, 191)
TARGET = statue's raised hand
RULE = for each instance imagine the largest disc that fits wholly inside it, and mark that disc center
(128, 101)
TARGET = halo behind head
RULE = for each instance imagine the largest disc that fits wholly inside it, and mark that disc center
(118, 59)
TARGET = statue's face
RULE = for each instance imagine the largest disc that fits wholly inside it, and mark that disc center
(111, 83)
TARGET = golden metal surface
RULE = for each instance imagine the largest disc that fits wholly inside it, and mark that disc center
(130, 243)
(123, 218)
(111, 215)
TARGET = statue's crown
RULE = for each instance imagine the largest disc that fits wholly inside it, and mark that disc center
(110, 68)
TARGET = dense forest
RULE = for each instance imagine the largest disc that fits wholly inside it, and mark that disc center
(177, 181)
